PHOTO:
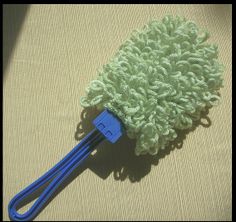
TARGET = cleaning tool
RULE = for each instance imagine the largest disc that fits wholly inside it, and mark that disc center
(159, 81)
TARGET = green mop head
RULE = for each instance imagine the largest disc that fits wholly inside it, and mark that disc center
(160, 80)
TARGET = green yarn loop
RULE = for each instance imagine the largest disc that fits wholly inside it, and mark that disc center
(159, 81)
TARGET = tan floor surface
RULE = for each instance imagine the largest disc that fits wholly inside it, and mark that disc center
(57, 53)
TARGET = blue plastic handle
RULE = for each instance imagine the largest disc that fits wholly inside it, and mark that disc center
(107, 126)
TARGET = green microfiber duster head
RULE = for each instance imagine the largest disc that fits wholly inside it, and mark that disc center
(159, 81)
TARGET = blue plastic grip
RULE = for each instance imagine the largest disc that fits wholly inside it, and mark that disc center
(107, 126)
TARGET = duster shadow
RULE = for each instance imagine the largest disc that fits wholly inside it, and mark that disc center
(119, 158)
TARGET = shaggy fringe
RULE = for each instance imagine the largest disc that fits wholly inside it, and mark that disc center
(159, 81)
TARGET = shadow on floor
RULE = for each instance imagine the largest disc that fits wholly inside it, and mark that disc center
(119, 158)
(13, 18)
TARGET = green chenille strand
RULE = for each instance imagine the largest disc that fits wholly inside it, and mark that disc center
(160, 80)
